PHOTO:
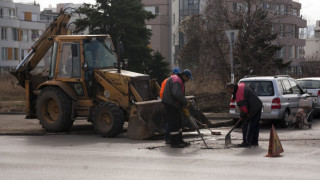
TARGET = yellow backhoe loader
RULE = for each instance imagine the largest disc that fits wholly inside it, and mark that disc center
(83, 81)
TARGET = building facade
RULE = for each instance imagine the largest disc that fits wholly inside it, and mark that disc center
(313, 45)
(165, 27)
(20, 28)
(289, 23)
(160, 26)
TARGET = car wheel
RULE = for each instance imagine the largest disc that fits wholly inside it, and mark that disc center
(284, 122)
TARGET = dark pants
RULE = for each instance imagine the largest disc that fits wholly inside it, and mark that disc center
(250, 128)
(173, 124)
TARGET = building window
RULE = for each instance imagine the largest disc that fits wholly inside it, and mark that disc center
(25, 35)
(294, 12)
(291, 31)
(291, 52)
(152, 9)
(297, 52)
(281, 53)
(1, 13)
(187, 8)
(9, 53)
(24, 53)
(282, 30)
(15, 53)
(4, 33)
(34, 17)
(282, 9)
(235, 7)
(34, 35)
(4, 53)
(265, 6)
(15, 34)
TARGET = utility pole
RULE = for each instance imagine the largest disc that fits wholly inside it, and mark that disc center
(232, 35)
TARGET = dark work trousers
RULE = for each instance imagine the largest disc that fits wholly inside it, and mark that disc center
(250, 128)
(173, 125)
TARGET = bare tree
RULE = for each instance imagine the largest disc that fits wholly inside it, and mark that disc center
(207, 46)
(311, 67)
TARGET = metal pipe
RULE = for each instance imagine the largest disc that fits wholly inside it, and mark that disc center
(25, 59)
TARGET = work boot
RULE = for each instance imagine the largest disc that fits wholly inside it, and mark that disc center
(168, 141)
(244, 145)
(255, 143)
(184, 142)
(180, 140)
(176, 141)
(178, 145)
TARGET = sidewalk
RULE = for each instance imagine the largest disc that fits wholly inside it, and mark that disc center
(16, 124)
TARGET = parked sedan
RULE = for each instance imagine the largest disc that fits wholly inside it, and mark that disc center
(312, 85)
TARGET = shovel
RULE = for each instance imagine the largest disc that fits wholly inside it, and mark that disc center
(228, 136)
(195, 125)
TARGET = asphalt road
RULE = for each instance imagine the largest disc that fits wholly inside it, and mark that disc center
(86, 155)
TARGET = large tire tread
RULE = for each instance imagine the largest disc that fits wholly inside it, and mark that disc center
(117, 118)
(64, 121)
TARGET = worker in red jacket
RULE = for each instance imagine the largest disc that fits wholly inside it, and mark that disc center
(250, 112)
(175, 71)
(174, 100)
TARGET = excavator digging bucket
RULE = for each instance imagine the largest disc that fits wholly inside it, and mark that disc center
(146, 119)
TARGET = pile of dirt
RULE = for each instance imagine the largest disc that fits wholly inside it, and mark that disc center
(217, 103)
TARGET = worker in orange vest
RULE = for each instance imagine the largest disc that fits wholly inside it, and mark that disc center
(175, 71)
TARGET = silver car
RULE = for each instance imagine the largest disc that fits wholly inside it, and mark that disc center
(312, 85)
(279, 94)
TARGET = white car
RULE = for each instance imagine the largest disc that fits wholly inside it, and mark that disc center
(312, 85)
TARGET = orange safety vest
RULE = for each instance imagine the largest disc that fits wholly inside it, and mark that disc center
(163, 84)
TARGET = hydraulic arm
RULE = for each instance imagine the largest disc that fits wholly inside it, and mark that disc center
(40, 48)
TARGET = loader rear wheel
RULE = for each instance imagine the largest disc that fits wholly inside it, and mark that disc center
(108, 119)
(54, 110)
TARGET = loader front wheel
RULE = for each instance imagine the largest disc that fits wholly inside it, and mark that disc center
(54, 110)
(108, 119)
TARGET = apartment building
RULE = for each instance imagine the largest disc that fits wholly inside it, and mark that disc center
(165, 27)
(312, 48)
(288, 23)
(49, 14)
(20, 28)
(160, 26)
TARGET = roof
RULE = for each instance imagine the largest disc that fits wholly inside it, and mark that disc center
(310, 78)
(265, 77)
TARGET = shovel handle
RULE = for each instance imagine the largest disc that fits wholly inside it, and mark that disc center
(234, 126)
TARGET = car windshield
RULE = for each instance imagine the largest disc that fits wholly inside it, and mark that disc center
(99, 53)
(262, 88)
(309, 84)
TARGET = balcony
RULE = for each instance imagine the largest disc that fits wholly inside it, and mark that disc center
(290, 19)
(9, 21)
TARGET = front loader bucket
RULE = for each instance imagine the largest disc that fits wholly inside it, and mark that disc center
(146, 119)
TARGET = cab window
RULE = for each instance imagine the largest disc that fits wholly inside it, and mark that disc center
(70, 65)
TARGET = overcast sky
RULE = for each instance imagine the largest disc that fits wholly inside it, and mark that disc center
(310, 8)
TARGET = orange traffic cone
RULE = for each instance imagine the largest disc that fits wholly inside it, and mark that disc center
(275, 147)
